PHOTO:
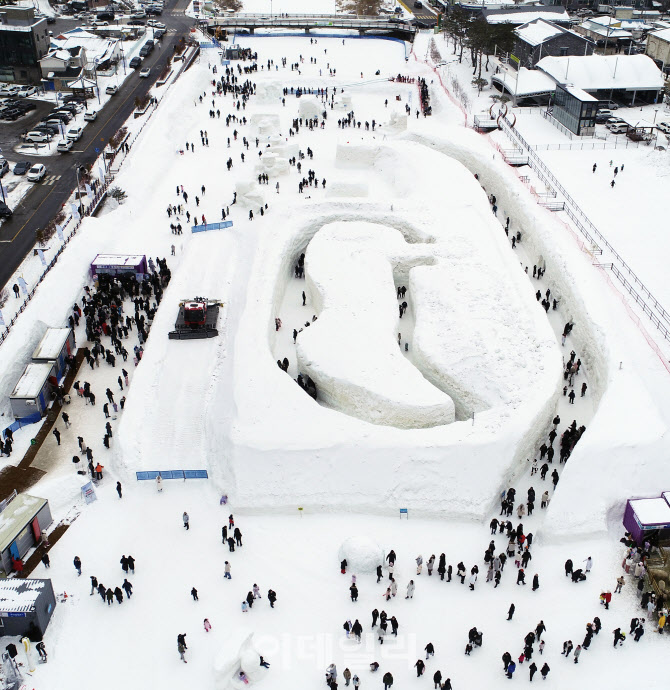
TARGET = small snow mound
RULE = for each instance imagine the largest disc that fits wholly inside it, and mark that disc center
(309, 108)
(248, 195)
(362, 553)
(227, 669)
(265, 123)
(397, 122)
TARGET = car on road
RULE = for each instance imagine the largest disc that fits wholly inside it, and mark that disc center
(35, 137)
(135, 62)
(135, 22)
(5, 211)
(418, 4)
(156, 25)
(37, 172)
(111, 90)
(27, 91)
(145, 72)
(75, 133)
(4, 166)
(51, 20)
(139, 15)
(22, 167)
(159, 33)
(64, 146)
(90, 115)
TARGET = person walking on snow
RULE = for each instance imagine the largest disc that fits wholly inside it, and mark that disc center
(410, 590)
(185, 519)
(589, 564)
(77, 565)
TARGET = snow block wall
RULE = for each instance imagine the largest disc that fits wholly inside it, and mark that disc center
(428, 470)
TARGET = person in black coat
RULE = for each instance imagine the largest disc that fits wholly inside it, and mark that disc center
(506, 658)
(510, 613)
(118, 594)
(250, 599)
(379, 573)
(568, 567)
(375, 616)
(238, 536)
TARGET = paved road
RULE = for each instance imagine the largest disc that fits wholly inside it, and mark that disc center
(42, 203)
(426, 16)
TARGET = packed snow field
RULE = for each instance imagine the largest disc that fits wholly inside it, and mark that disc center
(350, 215)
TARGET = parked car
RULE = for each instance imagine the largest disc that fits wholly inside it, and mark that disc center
(135, 62)
(37, 172)
(48, 129)
(22, 167)
(618, 128)
(111, 90)
(159, 33)
(10, 90)
(27, 91)
(611, 105)
(140, 14)
(64, 146)
(135, 22)
(4, 166)
(90, 115)
(145, 72)
(664, 127)
(26, 106)
(5, 211)
(62, 115)
(35, 137)
(75, 133)
(612, 121)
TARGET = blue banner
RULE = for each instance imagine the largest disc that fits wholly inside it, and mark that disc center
(172, 474)
(212, 226)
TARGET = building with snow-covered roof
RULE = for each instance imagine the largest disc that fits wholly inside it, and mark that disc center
(32, 393)
(524, 84)
(63, 62)
(658, 47)
(101, 52)
(24, 605)
(646, 516)
(521, 14)
(540, 38)
(575, 109)
(631, 78)
(23, 519)
(607, 32)
(56, 346)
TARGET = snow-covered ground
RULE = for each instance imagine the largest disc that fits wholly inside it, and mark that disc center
(302, 477)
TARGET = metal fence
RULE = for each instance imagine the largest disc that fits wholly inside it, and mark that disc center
(589, 230)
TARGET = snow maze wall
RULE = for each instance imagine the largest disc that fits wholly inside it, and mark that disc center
(479, 340)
